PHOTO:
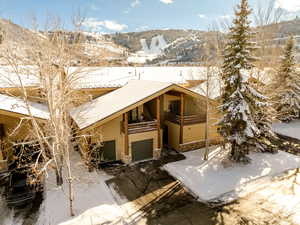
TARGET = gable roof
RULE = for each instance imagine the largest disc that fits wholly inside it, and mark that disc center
(115, 103)
(18, 106)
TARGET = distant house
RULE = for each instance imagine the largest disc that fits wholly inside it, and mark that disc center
(137, 120)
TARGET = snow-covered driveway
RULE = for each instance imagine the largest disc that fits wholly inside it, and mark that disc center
(220, 180)
(291, 129)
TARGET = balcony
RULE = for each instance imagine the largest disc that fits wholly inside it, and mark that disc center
(187, 120)
(142, 127)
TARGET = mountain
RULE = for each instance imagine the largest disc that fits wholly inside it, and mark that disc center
(94, 48)
(16, 37)
(187, 46)
(156, 47)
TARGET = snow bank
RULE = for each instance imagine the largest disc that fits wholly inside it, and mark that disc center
(288, 129)
(93, 203)
(213, 181)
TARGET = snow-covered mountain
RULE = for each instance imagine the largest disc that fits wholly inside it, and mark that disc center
(171, 46)
(156, 46)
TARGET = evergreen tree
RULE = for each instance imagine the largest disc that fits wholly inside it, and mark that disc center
(286, 95)
(244, 125)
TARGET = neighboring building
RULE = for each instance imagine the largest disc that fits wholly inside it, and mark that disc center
(15, 123)
(92, 82)
(114, 95)
(136, 121)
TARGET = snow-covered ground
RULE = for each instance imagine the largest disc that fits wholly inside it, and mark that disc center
(291, 129)
(93, 203)
(219, 180)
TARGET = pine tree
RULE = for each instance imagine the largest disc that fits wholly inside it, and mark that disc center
(287, 87)
(244, 125)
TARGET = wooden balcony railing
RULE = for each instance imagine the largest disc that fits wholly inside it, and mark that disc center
(187, 120)
(141, 127)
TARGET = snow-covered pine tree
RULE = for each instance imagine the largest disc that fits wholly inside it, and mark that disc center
(244, 125)
(286, 96)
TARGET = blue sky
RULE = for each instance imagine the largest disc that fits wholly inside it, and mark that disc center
(131, 15)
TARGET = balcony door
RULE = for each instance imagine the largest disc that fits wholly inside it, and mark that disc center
(174, 107)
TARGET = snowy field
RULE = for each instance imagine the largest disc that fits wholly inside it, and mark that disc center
(218, 180)
(291, 129)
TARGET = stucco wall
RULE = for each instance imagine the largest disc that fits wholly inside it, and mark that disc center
(191, 133)
(194, 132)
(173, 134)
(111, 131)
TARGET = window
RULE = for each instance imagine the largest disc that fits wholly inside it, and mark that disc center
(174, 107)
(133, 115)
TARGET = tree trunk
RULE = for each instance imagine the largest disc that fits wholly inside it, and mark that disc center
(71, 195)
(207, 117)
(59, 177)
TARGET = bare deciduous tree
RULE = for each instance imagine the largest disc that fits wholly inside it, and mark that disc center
(49, 59)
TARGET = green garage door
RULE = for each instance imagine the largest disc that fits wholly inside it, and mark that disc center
(108, 151)
(142, 150)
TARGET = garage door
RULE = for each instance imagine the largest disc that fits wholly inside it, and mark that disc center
(142, 150)
(108, 151)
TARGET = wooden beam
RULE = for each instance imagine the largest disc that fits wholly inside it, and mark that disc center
(158, 122)
(126, 141)
(174, 93)
(181, 118)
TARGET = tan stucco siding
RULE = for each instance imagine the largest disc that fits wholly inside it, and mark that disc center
(194, 132)
(111, 131)
(173, 134)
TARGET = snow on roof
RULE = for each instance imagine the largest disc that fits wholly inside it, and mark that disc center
(17, 105)
(113, 77)
(105, 106)
(97, 77)
(11, 78)
(105, 77)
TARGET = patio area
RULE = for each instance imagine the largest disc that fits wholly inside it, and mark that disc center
(219, 181)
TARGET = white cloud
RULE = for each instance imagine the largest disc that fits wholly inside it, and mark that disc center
(288, 5)
(97, 25)
(226, 17)
(135, 3)
(142, 28)
(167, 1)
(202, 16)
